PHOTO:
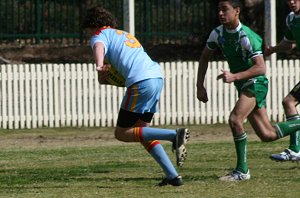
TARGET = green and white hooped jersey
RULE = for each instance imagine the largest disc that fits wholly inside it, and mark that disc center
(238, 46)
(292, 32)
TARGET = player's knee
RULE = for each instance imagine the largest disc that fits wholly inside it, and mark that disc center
(286, 103)
(120, 135)
(267, 137)
(235, 122)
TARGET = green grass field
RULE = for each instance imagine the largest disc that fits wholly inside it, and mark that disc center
(88, 162)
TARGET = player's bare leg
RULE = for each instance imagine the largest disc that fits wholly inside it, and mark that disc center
(293, 152)
(242, 109)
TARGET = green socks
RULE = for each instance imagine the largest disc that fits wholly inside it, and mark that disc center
(241, 152)
(286, 128)
(294, 137)
(294, 142)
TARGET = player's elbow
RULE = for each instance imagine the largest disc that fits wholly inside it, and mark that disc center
(262, 71)
(101, 81)
(101, 78)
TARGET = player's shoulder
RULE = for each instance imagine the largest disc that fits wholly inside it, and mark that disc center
(249, 38)
(246, 31)
(290, 18)
(218, 30)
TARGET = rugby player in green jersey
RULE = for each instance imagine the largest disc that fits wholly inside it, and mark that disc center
(242, 49)
(291, 40)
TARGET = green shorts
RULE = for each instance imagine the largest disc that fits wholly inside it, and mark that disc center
(258, 86)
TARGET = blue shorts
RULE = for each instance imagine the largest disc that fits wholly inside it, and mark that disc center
(143, 96)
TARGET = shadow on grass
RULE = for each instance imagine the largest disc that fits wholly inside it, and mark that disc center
(102, 175)
(201, 178)
(40, 175)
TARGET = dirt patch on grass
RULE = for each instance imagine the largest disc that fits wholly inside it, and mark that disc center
(90, 137)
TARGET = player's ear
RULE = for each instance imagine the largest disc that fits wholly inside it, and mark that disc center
(237, 11)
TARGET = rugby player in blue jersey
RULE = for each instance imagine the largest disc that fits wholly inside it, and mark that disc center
(144, 82)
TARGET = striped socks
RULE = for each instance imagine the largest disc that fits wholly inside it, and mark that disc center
(148, 134)
(157, 151)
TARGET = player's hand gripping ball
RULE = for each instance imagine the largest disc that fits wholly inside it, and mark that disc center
(115, 78)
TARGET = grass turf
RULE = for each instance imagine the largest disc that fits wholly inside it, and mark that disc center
(88, 162)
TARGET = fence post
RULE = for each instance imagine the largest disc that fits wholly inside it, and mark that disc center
(270, 39)
(128, 16)
(38, 21)
(270, 24)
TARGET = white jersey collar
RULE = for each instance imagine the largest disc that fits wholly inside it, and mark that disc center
(296, 15)
(234, 30)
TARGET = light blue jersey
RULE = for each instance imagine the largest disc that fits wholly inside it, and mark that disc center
(124, 52)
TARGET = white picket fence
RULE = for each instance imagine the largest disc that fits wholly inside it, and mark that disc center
(60, 95)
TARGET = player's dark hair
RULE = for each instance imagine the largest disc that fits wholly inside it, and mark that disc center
(98, 17)
(234, 3)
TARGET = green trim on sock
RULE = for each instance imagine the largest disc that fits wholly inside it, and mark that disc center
(292, 117)
(278, 131)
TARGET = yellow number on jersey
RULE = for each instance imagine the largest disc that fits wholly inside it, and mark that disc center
(132, 41)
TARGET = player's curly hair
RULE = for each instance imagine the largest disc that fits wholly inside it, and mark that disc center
(234, 3)
(98, 17)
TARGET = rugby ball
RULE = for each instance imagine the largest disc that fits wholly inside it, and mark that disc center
(115, 78)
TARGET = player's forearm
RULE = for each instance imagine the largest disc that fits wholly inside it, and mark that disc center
(283, 46)
(98, 51)
(256, 70)
(203, 64)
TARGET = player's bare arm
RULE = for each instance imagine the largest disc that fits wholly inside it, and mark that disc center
(98, 52)
(257, 69)
(203, 64)
(283, 46)
(103, 74)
